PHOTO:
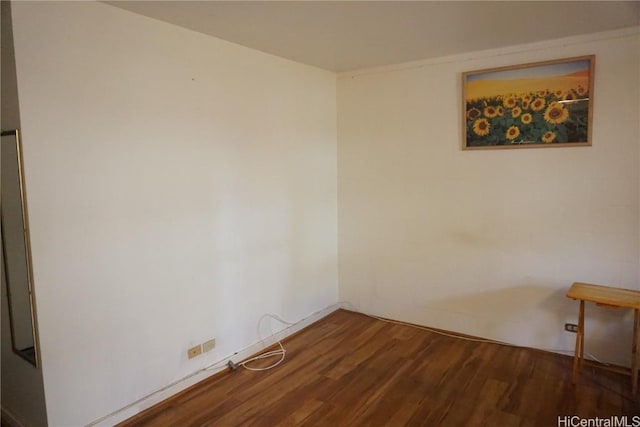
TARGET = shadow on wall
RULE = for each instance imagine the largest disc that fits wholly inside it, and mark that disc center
(535, 315)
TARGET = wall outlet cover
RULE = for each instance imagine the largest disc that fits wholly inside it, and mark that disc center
(194, 351)
(208, 345)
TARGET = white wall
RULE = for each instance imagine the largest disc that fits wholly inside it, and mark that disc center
(179, 188)
(22, 386)
(487, 243)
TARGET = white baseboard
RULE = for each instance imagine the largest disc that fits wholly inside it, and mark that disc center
(174, 388)
(9, 419)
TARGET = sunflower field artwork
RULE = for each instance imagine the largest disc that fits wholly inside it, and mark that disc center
(532, 105)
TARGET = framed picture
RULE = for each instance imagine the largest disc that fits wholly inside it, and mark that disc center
(542, 104)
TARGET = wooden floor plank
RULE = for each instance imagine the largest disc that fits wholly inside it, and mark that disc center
(351, 369)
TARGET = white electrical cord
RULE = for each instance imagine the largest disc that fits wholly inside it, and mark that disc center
(282, 352)
(279, 352)
(227, 361)
(464, 338)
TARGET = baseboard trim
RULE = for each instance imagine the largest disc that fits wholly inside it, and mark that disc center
(611, 367)
(181, 386)
(10, 419)
(128, 416)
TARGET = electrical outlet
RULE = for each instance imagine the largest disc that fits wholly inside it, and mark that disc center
(571, 327)
(208, 345)
(194, 351)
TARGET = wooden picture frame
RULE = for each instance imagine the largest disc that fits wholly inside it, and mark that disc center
(540, 104)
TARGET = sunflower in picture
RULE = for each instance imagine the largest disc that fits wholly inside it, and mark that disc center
(570, 96)
(515, 112)
(548, 137)
(538, 104)
(542, 93)
(512, 133)
(559, 93)
(556, 113)
(473, 113)
(481, 127)
(500, 110)
(509, 102)
(526, 118)
(581, 90)
(525, 104)
(527, 98)
(490, 112)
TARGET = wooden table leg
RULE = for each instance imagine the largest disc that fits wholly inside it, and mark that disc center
(634, 352)
(579, 352)
(581, 332)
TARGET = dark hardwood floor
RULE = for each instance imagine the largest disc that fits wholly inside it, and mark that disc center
(349, 369)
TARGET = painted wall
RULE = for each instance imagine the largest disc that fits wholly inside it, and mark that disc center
(487, 243)
(179, 188)
(22, 386)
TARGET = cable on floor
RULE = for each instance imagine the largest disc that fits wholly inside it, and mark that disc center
(281, 351)
(462, 337)
(273, 353)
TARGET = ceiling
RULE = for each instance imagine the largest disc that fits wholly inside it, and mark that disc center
(348, 35)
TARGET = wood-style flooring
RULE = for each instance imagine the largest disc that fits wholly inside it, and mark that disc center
(352, 370)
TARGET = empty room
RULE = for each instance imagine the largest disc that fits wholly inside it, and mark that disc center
(310, 213)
